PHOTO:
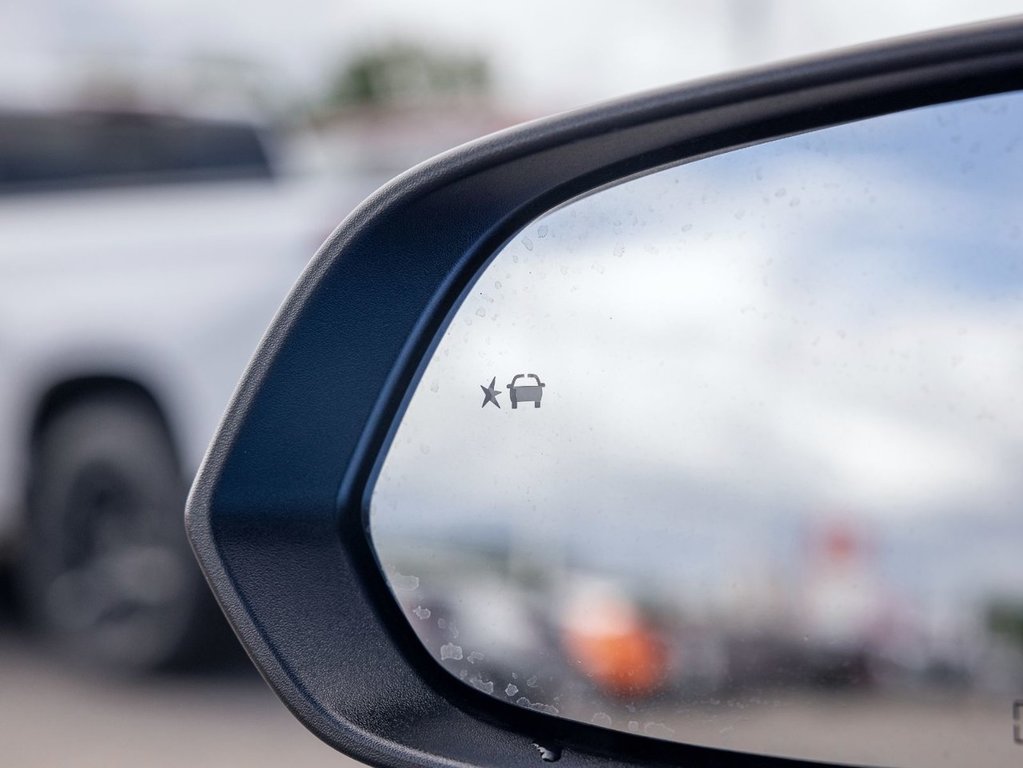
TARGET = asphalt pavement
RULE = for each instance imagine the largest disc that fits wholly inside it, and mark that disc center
(54, 715)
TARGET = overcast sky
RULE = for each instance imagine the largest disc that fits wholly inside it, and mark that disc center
(820, 328)
(546, 56)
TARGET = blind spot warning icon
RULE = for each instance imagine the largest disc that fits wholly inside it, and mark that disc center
(526, 393)
(490, 393)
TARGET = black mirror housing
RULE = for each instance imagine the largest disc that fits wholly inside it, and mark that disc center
(278, 513)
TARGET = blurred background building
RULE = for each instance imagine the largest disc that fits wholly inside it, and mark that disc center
(166, 171)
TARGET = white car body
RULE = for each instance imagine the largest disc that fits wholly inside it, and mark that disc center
(168, 287)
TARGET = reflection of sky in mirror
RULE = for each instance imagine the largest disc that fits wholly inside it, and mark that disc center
(824, 327)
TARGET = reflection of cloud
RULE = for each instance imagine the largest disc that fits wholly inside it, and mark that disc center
(757, 338)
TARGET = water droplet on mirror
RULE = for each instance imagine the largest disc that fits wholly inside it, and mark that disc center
(542, 231)
(405, 583)
(476, 681)
(450, 651)
(511, 690)
(528, 243)
(658, 731)
(475, 656)
(602, 719)
(422, 613)
(548, 709)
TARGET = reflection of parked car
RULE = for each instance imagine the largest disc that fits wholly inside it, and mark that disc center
(525, 393)
(141, 255)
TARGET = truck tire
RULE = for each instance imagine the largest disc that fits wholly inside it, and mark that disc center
(107, 573)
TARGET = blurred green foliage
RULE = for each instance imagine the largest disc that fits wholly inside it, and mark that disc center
(402, 73)
(1006, 620)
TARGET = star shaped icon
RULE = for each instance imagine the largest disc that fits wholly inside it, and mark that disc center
(490, 394)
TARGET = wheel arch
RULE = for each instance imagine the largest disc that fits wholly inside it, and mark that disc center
(70, 390)
(190, 631)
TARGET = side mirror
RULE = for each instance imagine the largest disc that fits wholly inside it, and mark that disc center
(773, 321)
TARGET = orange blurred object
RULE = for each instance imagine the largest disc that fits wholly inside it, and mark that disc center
(605, 634)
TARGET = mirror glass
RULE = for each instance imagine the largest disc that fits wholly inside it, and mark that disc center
(732, 454)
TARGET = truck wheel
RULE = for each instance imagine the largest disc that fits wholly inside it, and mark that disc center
(107, 572)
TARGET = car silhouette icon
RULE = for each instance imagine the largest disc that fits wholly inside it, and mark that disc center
(525, 393)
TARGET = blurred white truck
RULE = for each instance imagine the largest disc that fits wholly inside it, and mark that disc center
(141, 258)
